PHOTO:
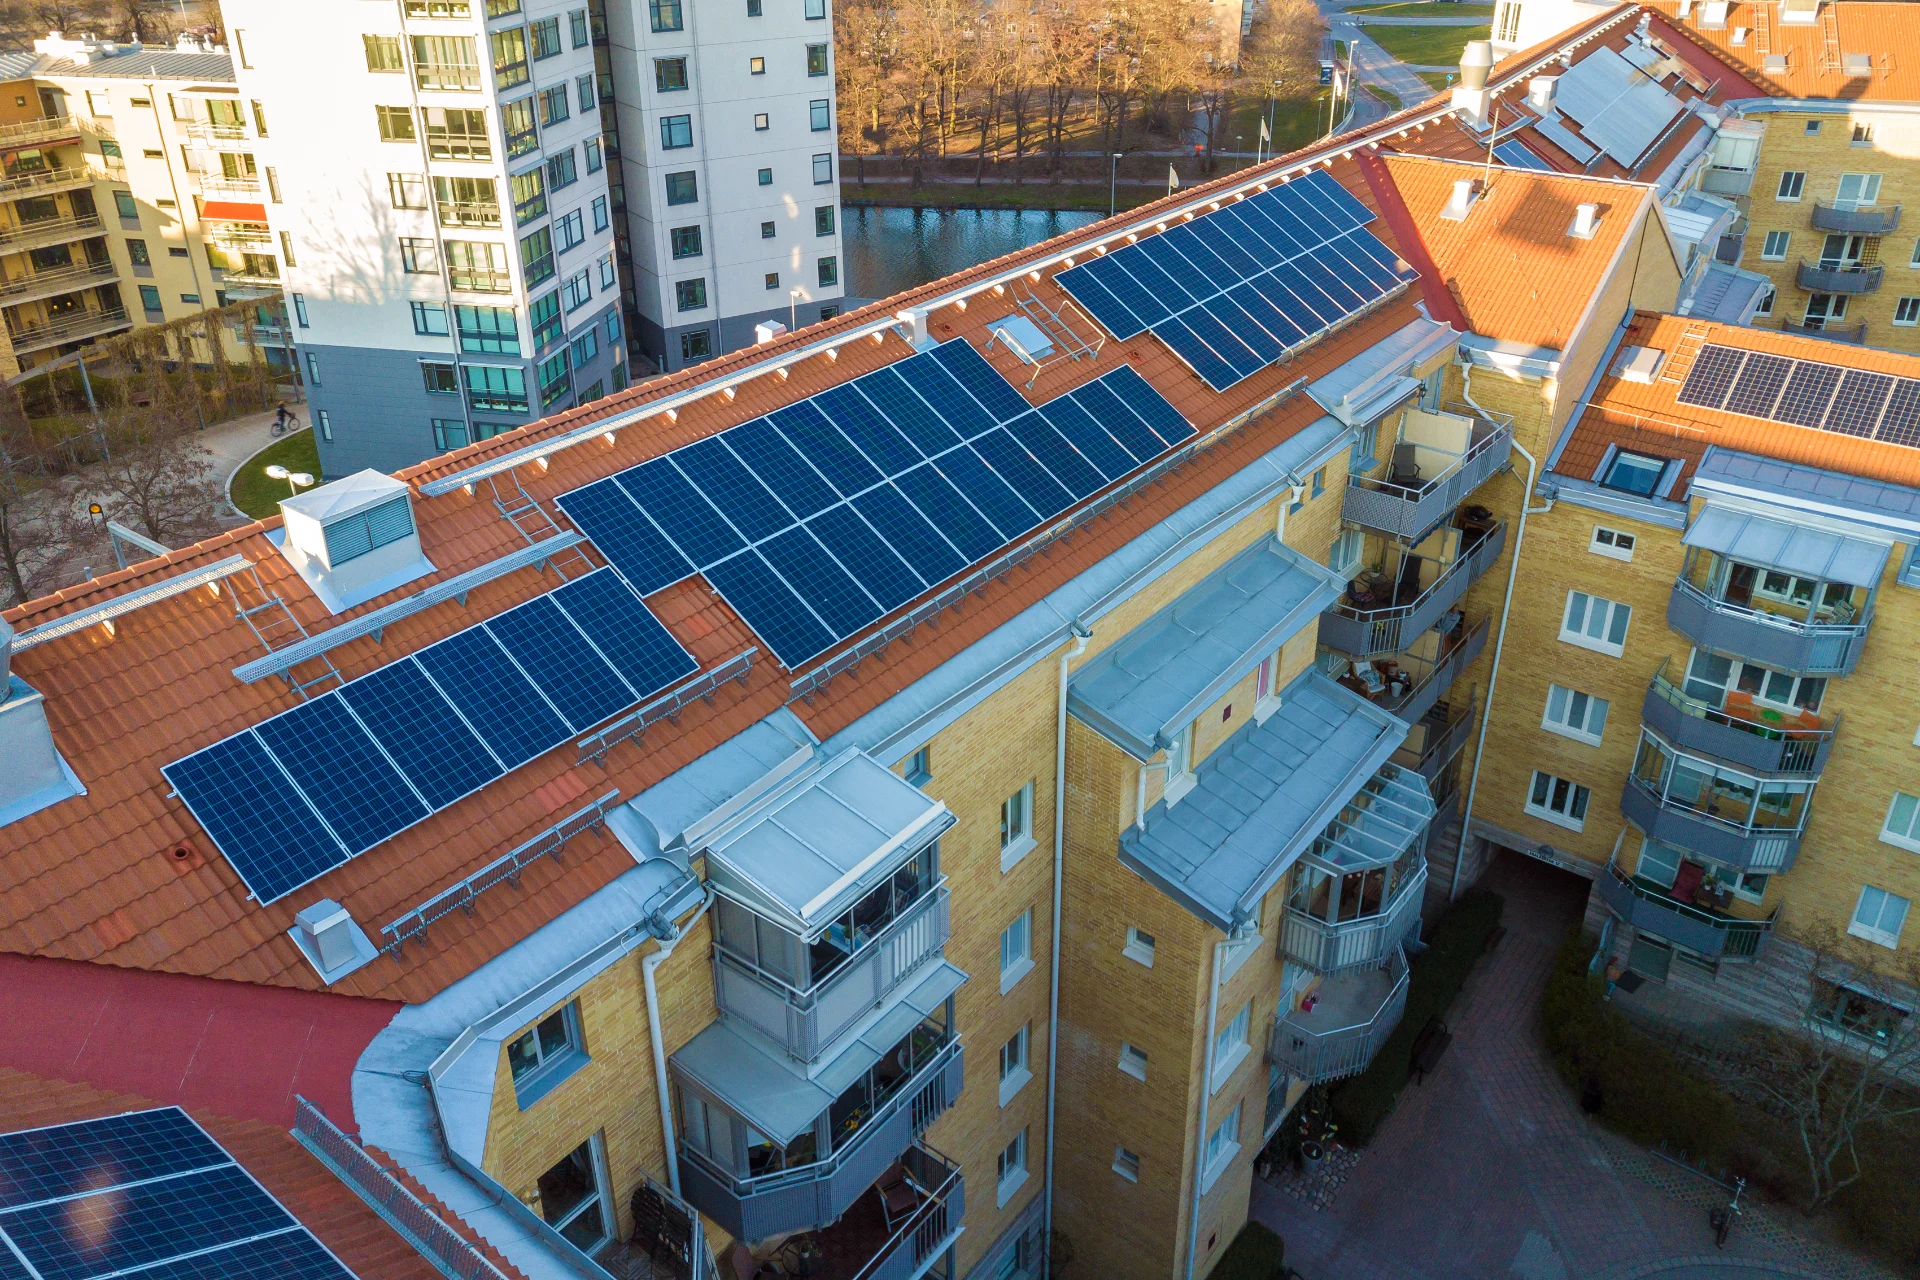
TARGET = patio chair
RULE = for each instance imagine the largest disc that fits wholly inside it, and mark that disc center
(898, 1199)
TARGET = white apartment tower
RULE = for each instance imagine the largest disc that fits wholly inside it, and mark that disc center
(728, 149)
(438, 185)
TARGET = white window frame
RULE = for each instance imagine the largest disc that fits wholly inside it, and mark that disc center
(1874, 933)
(1577, 633)
(1908, 307)
(1232, 1045)
(1905, 835)
(1126, 1163)
(1580, 715)
(1012, 1168)
(1608, 542)
(1016, 828)
(1577, 797)
(1015, 1059)
(1768, 252)
(1223, 1144)
(1139, 947)
(1133, 1061)
(1016, 950)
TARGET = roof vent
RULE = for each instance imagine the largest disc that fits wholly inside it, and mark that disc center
(1586, 220)
(1857, 64)
(1465, 193)
(36, 776)
(1639, 364)
(766, 331)
(331, 941)
(1713, 16)
(1542, 93)
(354, 539)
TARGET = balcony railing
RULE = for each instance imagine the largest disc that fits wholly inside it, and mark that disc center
(1410, 510)
(1708, 932)
(1750, 743)
(46, 231)
(805, 1022)
(1838, 277)
(1354, 944)
(1768, 850)
(1787, 644)
(50, 180)
(1342, 1035)
(48, 284)
(1865, 222)
(816, 1194)
(1445, 736)
(1365, 632)
(68, 328)
(1434, 678)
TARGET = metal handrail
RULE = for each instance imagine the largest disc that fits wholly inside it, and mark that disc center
(77, 275)
(1727, 924)
(667, 706)
(1799, 626)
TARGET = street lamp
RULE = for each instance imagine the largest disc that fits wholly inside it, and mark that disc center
(1113, 182)
(296, 480)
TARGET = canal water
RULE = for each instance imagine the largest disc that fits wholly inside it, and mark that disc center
(890, 250)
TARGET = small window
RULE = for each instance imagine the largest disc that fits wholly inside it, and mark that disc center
(438, 378)
(696, 345)
(1879, 916)
(766, 177)
(1611, 543)
(822, 170)
(1902, 824)
(823, 220)
(1126, 1164)
(1139, 947)
(1594, 623)
(417, 256)
(1016, 950)
(685, 241)
(1907, 311)
(827, 270)
(1012, 1172)
(1791, 184)
(756, 66)
(1634, 473)
(919, 769)
(766, 231)
(1558, 800)
(690, 295)
(683, 188)
(1775, 248)
(1016, 827)
(1014, 1072)
(1133, 1061)
(430, 318)
(1575, 714)
(669, 74)
(760, 122)
(816, 59)
(383, 53)
(820, 114)
(396, 123)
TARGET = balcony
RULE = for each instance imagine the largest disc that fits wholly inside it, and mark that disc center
(1409, 685)
(1364, 631)
(1865, 222)
(49, 284)
(866, 1143)
(48, 181)
(1712, 933)
(72, 327)
(805, 1021)
(1436, 739)
(1750, 824)
(1352, 1016)
(878, 1240)
(1753, 737)
(1410, 501)
(1334, 948)
(1798, 646)
(50, 231)
(1838, 277)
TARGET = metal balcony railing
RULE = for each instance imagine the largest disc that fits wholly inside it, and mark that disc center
(1838, 277)
(1786, 644)
(1708, 932)
(63, 179)
(1750, 743)
(1866, 222)
(1332, 948)
(46, 231)
(68, 328)
(1768, 850)
(47, 284)
(1410, 510)
(1364, 632)
(1306, 1052)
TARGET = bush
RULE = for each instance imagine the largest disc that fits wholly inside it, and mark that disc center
(1438, 973)
(1255, 1254)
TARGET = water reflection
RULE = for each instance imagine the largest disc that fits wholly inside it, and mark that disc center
(891, 250)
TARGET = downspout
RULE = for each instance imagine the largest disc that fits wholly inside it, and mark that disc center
(669, 939)
(1081, 634)
(1206, 1096)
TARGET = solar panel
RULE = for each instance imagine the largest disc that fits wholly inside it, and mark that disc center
(293, 797)
(147, 1192)
(1235, 289)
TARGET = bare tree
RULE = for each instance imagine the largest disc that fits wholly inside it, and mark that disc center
(1851, 1065)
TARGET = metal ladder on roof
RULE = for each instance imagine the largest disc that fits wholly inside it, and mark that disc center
(1830, 60)
(531, 521)
(275, 633)
(1680, 362)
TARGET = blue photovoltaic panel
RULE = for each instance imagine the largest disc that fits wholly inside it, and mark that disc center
(777, 615)
(295, 796)
(146, 1195)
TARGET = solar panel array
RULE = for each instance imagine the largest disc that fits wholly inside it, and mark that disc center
(147, 1192)
(294, 797)
(822, 517)
(1805, 393)
(1236, 289)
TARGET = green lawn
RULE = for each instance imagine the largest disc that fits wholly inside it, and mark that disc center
(1424, 9)
(1427, 46)
(258, 494)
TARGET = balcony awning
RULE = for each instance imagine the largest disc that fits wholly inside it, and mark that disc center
(810, 849)
(1810, 553)
(1156, 679)
(232, 211)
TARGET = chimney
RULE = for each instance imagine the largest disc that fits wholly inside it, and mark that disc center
(1542, 93)
(1472, 96)
(333, 944)
(36, 776)
(913, 323)
(1586, 220)
(1465, 193)
(766, 331)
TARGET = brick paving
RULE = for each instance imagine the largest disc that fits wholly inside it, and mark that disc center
(1489, 1169)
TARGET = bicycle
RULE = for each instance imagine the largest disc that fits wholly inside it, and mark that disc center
(1721, 1220)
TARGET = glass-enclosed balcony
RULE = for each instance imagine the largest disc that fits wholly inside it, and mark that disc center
(1801, 621)
(1357, 889)
(1741, 819)
(1743, 714)
(1349, 1017)
(1387, 607)
(1646, 904)
(1438, 460)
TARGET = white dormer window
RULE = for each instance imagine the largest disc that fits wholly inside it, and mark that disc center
(353, 539)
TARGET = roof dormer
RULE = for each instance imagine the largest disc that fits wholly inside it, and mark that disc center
(354, 539)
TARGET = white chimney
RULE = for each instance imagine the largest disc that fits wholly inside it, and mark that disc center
(1542, 93)
(1472, 97)
(766, 331)
(1461, 201)
(36, 776)
(354, 539)
(914, 321)
(1586, 220)
(334, 944)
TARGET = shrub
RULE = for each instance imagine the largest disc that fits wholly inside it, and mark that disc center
(1255, 1254)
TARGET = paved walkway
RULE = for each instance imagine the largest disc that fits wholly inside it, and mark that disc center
(1490, 1170)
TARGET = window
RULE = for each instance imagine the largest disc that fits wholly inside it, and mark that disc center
(300, 310)
(326, 425)
(1791, 184)
(438, 378)
(368, 531)
(593, 155)
(449, 433)
(765, 177)
(1016, 950)
(1634, 473)
(545, 37)
(495, 389)
(536, 255)
(682, 188)
(1862, 134)
(676, 132)
(1575, 714)
(1013, 1167)
(1016, 827)
(1907, 311)
(669, 74)
(1013, 1064)
(1231, 1046)
(1222, 1145)
(816, 59)
(123, 201)
(760, 124)
(457, 133)
(510, 57)
(429, 318)
(600, 219)
(1126, 1164)
(829, 272)
(1879, 916)
(1611, 543)
(1133, 1061)
(137, 253)
(1558, 800)
(766, 231)
(478, 266)
(1902, 824)
(516, 121)
(577, 290)
(690, 295)
(554, 384)
(1139, 947)
(417, 257)
(554, 106)
(820, 113)
(543, 317)
(561, 171)
(577, 28)
(696, 345)
(1594, 623)
(585, 349)
(1858, 189)
(383, 53)
(150, 297)
(487, 330)
(756, 66)
(572, 230)
(396, 123)
(1775, 248)
(583, 90)
(665, 14)
(571, 1201)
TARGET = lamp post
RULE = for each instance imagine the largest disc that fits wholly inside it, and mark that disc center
(1113, 182)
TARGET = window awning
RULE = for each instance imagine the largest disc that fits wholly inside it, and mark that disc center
(232, 211)
(1797, 549)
